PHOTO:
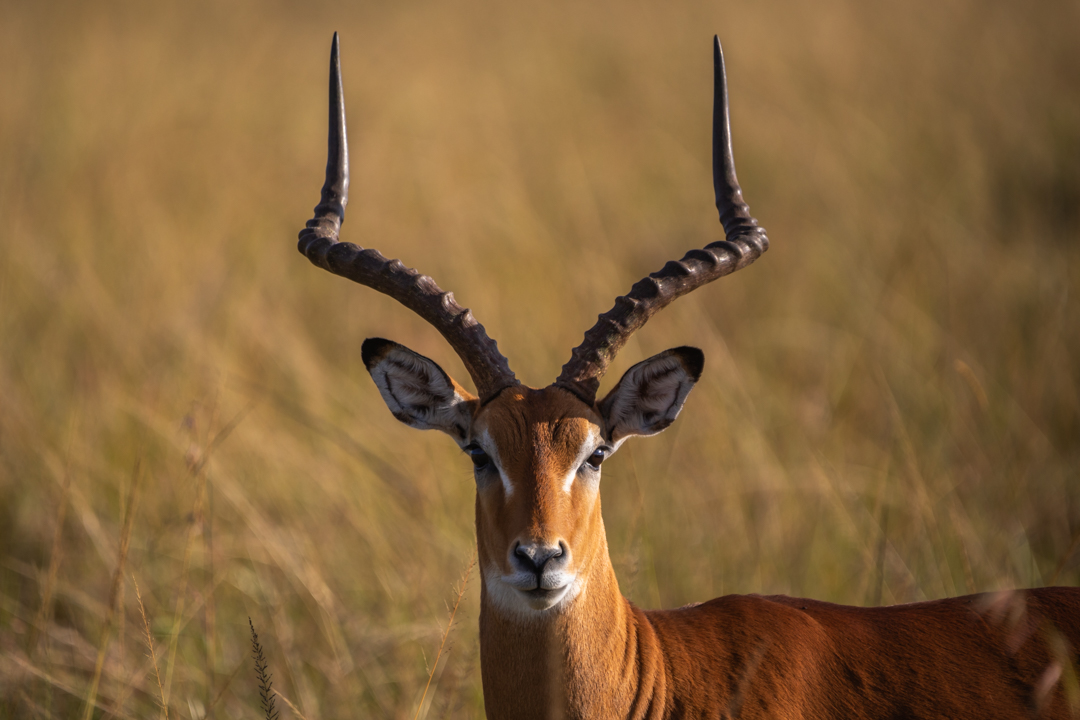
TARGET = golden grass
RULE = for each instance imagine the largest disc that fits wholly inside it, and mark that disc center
(891, 404)
(150, 648)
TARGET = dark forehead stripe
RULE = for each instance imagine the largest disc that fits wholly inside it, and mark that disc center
(570, 433)
(561, 432)
(559, 443)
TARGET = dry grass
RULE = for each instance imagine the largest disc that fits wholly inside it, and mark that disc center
(891, 404)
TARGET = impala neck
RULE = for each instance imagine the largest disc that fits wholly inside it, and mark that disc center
(581, 662)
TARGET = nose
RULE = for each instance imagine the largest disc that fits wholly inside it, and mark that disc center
(535, 557)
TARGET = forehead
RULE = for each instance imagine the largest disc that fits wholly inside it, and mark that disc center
(554, 417)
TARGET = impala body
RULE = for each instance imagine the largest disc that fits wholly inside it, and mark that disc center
(557, 638)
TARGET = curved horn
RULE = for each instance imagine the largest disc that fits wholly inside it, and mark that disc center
(319, 242)
(745, 242)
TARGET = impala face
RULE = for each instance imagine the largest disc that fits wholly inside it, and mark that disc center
(536, 457)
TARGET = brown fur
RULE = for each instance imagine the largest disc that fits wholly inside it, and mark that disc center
(981, 656)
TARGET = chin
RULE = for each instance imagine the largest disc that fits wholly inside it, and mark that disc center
(543, 600)
(536, 603)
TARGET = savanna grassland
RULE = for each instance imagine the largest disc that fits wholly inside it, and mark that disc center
(890, 409)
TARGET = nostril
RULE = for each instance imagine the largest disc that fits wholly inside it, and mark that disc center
(526, 555)
(534, 557)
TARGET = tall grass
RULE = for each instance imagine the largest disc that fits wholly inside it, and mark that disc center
(890, 409)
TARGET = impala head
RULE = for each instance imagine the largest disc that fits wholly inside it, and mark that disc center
(536, 453)
(536, 457)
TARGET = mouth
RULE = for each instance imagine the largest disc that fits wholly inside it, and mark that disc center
(541, 598)
(526, 591)
(542, 594)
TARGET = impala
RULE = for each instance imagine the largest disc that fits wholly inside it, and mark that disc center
(557, 638)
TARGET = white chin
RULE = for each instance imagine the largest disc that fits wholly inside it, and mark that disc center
(505, 595)
(541, 600)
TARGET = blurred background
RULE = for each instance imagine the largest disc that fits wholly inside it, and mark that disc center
(890, 410)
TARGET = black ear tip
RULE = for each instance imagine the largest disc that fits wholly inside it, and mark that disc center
(692, 358)
(373, 350)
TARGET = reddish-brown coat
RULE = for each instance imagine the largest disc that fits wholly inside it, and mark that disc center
(778, 657)
(750, 656)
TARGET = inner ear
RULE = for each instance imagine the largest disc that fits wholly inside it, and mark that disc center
(418, 392)
(650, 395)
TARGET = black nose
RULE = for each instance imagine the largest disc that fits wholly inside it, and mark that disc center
(533, 557)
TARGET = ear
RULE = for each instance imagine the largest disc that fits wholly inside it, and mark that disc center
(650, 395)
(417, 391)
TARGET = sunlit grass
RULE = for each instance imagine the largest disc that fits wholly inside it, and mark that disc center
(890, 409)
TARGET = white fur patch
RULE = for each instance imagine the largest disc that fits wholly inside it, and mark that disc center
(492, 450)
(593, 441)
(505, 595)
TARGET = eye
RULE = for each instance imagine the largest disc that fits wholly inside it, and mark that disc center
(480, 459)
(596, 458)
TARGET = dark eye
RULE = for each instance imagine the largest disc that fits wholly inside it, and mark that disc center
(480, 459)
(596, 458)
